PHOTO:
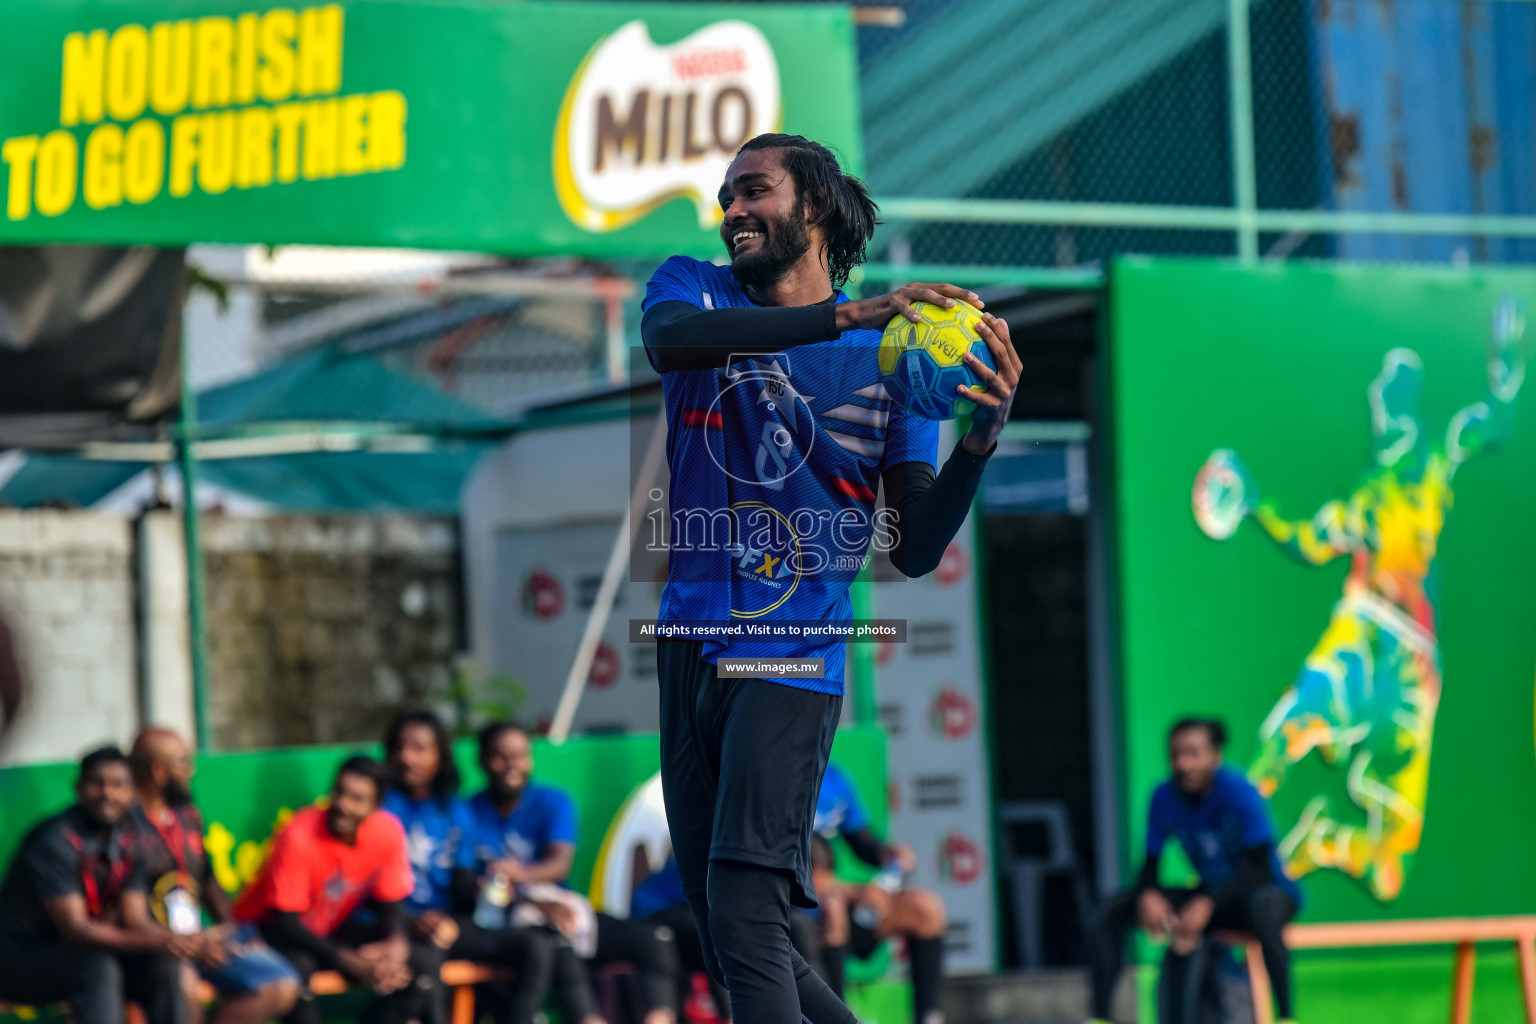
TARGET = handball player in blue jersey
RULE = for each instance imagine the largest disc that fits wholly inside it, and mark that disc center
(779, 437)
(1223, 826)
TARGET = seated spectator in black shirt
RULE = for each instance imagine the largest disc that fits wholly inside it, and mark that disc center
(74, 916)
(254, 983)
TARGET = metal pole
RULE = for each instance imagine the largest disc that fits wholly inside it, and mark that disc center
(1240, 98)
(866, 694)
(613, 319)
(197, 622)
(602, 604)
(1192, 218)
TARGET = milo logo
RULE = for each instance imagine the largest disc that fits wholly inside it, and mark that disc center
(642, 124)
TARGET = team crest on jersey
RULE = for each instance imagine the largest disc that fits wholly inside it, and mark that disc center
(767, 559)
(776, 427)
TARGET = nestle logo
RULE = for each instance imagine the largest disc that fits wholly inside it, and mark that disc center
(707, 63)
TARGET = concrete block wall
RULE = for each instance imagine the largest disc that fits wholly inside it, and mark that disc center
(320, 627)
(66, 584)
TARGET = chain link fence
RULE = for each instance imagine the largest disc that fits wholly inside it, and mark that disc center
(1059, 133)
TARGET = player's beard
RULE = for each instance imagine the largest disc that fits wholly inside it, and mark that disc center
(787, 242)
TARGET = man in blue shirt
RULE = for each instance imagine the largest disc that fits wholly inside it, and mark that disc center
(1222, 824)
(526, 833)
(858, 918)
(779, 435)
(439, 833)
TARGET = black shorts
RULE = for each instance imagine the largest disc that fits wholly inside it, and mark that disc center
(741, 768)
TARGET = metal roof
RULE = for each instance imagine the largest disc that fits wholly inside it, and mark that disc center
(972, 88)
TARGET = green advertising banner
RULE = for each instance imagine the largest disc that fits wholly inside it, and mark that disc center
(594, 129)
(245, 797)
(1324, 480)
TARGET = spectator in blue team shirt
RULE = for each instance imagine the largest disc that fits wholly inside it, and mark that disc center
(438, 830)
(1222, 824)
(526, 833)
(858, 918)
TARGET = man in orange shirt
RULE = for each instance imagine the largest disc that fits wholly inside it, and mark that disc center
(330, 897)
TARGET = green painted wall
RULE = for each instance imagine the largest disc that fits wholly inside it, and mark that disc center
(242, 795)
(1274, 363)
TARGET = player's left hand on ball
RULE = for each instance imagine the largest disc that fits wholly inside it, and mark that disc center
(992, 405)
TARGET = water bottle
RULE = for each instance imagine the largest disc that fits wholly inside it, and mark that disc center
(491, 906)
(890, 880)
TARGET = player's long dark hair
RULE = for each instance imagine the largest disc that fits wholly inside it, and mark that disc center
(445, 785)
(839, 202)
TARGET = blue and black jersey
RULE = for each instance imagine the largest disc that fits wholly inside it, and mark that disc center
(1216, 831)
(776, 460)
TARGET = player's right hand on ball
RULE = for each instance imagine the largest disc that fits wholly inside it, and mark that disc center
(873, 314)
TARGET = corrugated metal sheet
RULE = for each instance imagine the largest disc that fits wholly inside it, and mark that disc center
(978, 88)
(320, 386)
(1430, 106)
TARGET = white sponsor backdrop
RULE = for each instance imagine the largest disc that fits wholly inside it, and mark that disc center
(931, 706)
(546, 579)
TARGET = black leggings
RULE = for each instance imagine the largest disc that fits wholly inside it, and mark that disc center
(741, 763)
(94, 982)
(529, 953)
(1263, 913)
(418, 1001)
(743, 925)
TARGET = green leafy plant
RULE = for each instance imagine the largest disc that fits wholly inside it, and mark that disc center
(476, 699)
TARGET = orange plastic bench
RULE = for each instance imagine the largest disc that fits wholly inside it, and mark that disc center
(1462, 932)
(459, 975)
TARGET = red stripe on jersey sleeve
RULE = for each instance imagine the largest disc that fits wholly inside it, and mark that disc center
(702, 418)
(856, 491)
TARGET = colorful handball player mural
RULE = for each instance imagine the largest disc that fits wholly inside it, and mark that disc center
(1367, 693)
